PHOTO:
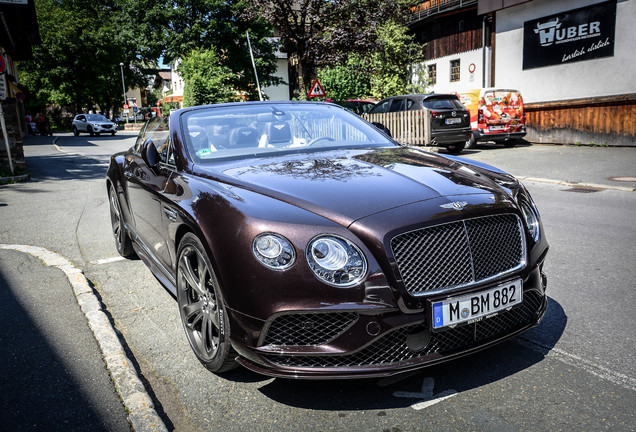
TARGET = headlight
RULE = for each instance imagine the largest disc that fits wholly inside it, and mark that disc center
(336, 261)
(273, 251)
(530, 213)
(95, 125)
(531, 218)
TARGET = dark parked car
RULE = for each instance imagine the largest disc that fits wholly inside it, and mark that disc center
(301, 242)
(358, 106)
(450, 120)
(94, 124)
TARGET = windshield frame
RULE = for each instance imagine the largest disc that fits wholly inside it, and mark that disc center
(280, 112)
(96, 118)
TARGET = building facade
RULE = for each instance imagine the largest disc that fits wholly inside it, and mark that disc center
(18, 33)
(572, 60)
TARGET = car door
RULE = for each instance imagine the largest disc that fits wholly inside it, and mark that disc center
(381, 107)
(81, 123)
(397, 105)
(146, 186)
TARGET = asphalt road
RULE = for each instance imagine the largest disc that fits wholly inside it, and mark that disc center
(576, 371)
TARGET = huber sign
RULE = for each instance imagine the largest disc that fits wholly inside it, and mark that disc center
(581, 34)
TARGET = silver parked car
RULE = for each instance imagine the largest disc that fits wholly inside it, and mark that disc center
(94, 124)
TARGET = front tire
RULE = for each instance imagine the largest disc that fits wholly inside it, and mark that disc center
(202, 308)
(75, 131)
(122, 241)
(90, 131)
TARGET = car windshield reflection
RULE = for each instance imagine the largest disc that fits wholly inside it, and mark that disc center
(96, 117)
(221, 132)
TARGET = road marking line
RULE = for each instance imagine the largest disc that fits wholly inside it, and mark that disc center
(602, 372)
(139, 406)
(426, 394)
(107, 260)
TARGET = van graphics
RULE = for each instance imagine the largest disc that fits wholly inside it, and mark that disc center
(580, 34)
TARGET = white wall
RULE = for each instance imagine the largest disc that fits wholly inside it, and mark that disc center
(591, 78)
(177, 82)
(467, 79)
(279, 92)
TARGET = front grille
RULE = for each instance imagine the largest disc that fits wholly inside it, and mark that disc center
(459, 253)
(392, 347)
(308, 329)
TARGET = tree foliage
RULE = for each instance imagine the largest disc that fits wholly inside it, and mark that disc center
(222, 25)
(319, 33)
(207, 80)
(77, 62)
(84, 42)
(348, 81)
(391, 64)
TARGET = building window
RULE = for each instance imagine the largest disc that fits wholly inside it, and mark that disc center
(432, 74)
(454, 70)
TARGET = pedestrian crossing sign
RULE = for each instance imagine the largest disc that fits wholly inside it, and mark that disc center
(317, 90)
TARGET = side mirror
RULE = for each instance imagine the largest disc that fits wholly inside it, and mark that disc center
(382, 128)
(149, 153)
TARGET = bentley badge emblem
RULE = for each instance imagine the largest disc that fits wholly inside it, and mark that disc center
(457, 205)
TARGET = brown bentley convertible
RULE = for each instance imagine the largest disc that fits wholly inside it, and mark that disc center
(300, 241)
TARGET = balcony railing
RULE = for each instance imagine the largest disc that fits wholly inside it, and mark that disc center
(430, 8)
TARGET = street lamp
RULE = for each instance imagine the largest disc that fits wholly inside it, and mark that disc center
(123, 83)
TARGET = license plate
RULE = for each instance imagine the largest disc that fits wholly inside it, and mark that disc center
(473, 307)
(453, 120)
(496, 128)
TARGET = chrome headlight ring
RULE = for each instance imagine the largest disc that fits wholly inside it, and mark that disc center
(336, 261)
(530, 214)
(273, 251)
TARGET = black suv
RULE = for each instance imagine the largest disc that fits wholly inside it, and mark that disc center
(450, 120)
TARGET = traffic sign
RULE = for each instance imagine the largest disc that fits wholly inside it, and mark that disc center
(317, 90)
(20, 95)
(126, 106)
(158, 103)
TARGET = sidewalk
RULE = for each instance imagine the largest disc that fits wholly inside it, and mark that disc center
(584, 166)
(52, 374)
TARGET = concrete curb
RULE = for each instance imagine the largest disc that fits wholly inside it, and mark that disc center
(14, 179)
(141, 411)
(575, 184)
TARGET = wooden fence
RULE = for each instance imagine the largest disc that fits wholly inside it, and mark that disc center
(406, 127)
(609, 120)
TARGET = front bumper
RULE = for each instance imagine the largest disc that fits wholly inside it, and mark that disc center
(480, 135)
(104, 128)
(369, 342)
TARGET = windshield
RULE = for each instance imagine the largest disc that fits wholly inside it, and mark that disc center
(96, 117)
(246, 129)
(442, 103)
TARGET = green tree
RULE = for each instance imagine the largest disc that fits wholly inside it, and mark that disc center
(207, 81)
(348, 81)
(391, 63)
(222, 24)
(317, 33)
(77, 62)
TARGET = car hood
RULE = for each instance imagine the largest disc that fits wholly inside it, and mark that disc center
(347, 185)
